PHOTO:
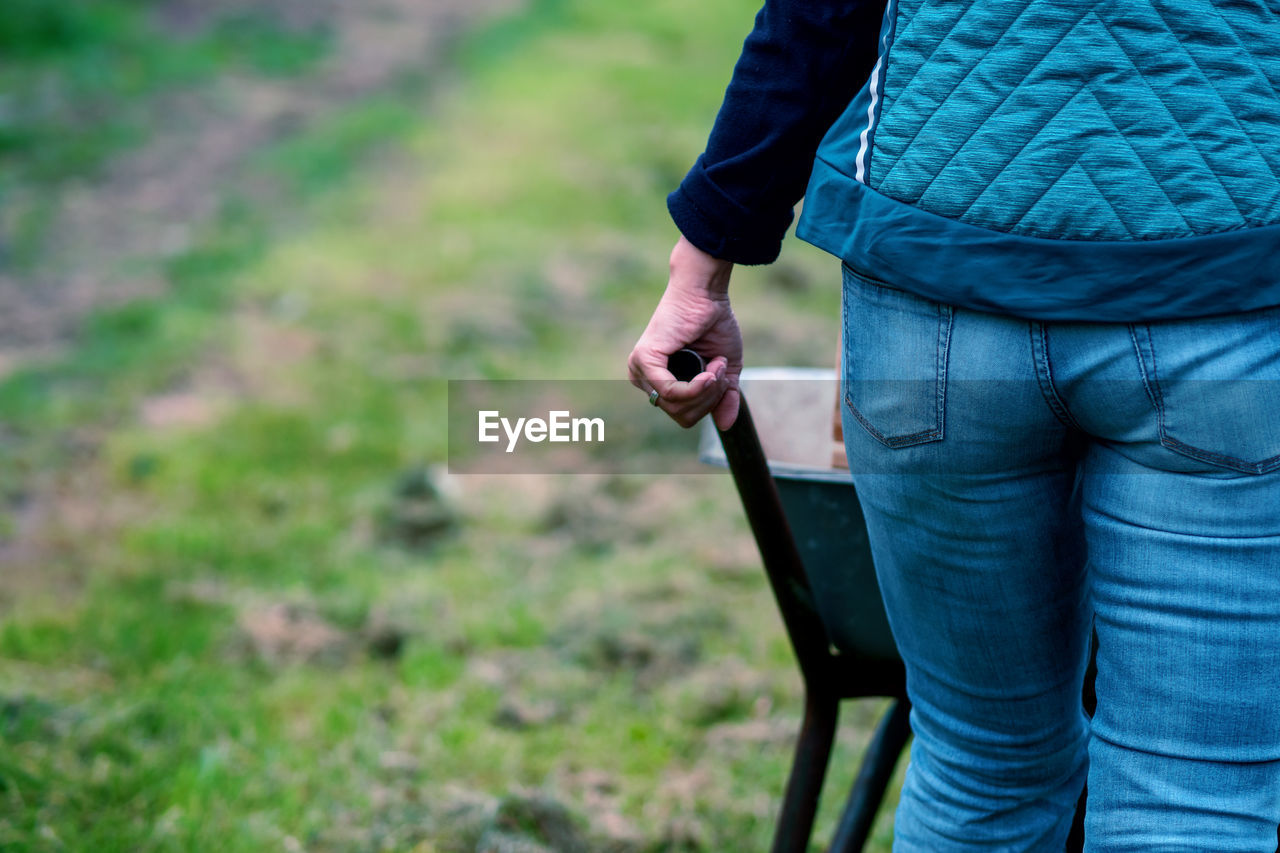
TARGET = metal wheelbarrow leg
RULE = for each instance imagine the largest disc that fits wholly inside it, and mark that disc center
(873, 779)
(812, 756)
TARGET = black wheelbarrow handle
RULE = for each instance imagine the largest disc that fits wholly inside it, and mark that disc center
(772, 531)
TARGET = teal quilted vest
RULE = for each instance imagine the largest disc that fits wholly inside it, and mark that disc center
(1060, 159)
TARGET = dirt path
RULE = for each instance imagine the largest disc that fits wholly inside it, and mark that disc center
(149, 203)
(111, 236)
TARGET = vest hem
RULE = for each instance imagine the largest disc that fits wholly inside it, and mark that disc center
(1034, 277)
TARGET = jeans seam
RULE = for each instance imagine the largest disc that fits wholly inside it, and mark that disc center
(1044, 376)
(946, 317)
(1154, 391)
(941, 359)
(1150, 383)
(921, 437)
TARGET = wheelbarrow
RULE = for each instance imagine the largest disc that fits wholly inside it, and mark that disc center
(808, 526)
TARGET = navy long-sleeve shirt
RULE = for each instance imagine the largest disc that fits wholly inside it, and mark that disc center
(799, 68)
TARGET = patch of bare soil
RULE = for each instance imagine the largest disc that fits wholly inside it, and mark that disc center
(55, 529)
(282, 633)
(583, 818)
(149, 203)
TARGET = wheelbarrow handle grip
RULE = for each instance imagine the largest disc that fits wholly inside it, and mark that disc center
(741, 443)
(684, 365)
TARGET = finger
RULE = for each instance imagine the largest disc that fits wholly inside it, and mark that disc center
(652, 365)
(685, 407)
(675, 391)
(707, 383)
(683, 414)
(726, 411)
(648, 364)
(654, 372)
(688, 413)
(699, 396)
(688, 418)
(684, 402)
(646, 383)
(710, 386)
(634, 371)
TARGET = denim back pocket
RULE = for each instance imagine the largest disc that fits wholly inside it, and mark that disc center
(894, 361)
(1215, 383)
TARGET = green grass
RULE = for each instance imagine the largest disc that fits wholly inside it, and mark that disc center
(517, 231)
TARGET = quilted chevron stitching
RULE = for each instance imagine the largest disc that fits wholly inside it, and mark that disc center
(1048, 50)
(1254, 64)
(1102, 108)
(903, 36)
(1253, 69)
(1044, 192)
(1173, 119)
(991, 182)
(1075, 163)
(1241, 43)
(1209, 84)
(890, 101)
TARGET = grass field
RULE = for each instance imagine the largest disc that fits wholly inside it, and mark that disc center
(250, 610)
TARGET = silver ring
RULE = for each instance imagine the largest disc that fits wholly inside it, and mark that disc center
(654, 397)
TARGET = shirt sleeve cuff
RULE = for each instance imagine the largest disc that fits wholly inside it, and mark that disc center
(722, 228)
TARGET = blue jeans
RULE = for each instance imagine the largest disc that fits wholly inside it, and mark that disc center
(1025, 483)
